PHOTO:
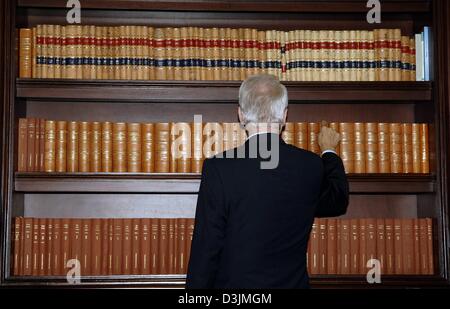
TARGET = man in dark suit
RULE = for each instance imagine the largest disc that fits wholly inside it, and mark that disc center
(253, 221)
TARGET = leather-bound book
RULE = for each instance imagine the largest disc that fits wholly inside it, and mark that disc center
(56, 247)
(42, 247)
(76, 241)
(111, 241)
(381, 243)
(148, 147)
(197, 147)
(27, 247)
(430, 246)
(189, 235)
(416, 241)
(181, 147)
(170, 246)
(371, 139)
(104, 264)
(390, 251)
(37, 144)
(396, 147)
(407, 246)
(345, 246)
(145, 257)
(41, 157)
(154, 246)
(424, 148)
(22, 146)
(313, 132)
(159, 50)
(397, 50)
(71, 56)
(405, 58)
(347, 145)
(95, 147)
(331, 251)
(86, 250)
(48, 247)
(50, 146)
(314, 239)
(407, 148)
(16, 233)
(31, 144)
(213, 139)
(117, 247)
(136, 246)
(362, 246)
(107, 144)
(301, 135)
(416, 154)
(360, 149)
(288, 134)
(162, 147)
(354, 246)
(96, 247)
(83, 146)
(119, 147)
(227, 135)
(25, 53)
(371, 239)
(65, 244)
(423, 247)
(126, 249)
(384, 165)
(72, 146)
(181, 252)
(134, 146)
(382, 45)
(322, 256)
(398, 240)
(163, 250)
(412, 49)
(61, 146)
(175, 246)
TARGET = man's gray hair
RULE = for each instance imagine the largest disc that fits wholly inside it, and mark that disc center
(263, 99)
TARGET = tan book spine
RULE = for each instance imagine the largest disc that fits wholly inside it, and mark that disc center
(85, 73)
(109, 49)
(213, 142)
(371, 139)
(134, 50)
(91, 53)
(56, 53)
(119, 147)
(63, 52)
(151, 53)
(301, 135)
(406, 58)
(346, 55)
(83, 146)
(397, 48)
(215, 53)
(33, 53)
(182, 147)
(347, 145)
(371, 57)
(72, 146)
(384, 148)
(107, 144)
(71, 50)
(41, 157)
(360, 148)
(424, 149)
(78, 53)
(144, 53)
(315, 54)
(95, 147)
(99, 51)
(50, 144)
(395, 147)
(25, 53)
(39, 54)
(197, 147)
(332, 51)
(338, 55)
(177, 55)
(169, 53)
(173, 151)
(61, 146)
(313, 132)
(407, 148)
(160, 54)
(353, 48)
(162, 147)
(185, 55)
(412, 48)
(22, 145)
(383, 54)
(46, 69)
(416, 154)
(134, 146)
(31, 131)
(148, 148)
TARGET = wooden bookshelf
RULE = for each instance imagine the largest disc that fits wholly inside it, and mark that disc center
(387, 195)
(189, 183)
(206, 91)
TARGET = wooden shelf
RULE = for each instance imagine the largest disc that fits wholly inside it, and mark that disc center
(322, 6)
(189, 183)
(217, 91)
(317, 281)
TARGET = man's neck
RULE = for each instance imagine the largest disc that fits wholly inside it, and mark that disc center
(255, 129)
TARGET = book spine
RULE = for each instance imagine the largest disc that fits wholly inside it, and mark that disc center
(148, 148)
(384, 148)
(371, 239)
(96, 246)
(155, 249)
(424, 149)
(430, 250)
(86, 243)
(381, 244)
(126, 247)
(95, 147)
(35, 247)
(112, 247)
(182, 147)
(416, 244)
(360, 149)
(345, 247)
(347, 146)
(314, 239)
(189, 235)
(42, 247)
(76, 242)
(398, 239)
(117, 246)
(331, 247)
(407, 148)
(181, 252)
(56, 247)
(119, 147)
(301, 135)
(171, 246)
(362, 245)
(25, 53)
(162, 147)
(31, 144)
(395, 147)
(27, 247)
(22, 145)
(105, 261)
(136, 245)
(416, 154)
(371, 139)
(16, 232)
(197, 147)
(322, 256)
(163, 251)
(107, 147)
(146, 247)
(134, 147)
(354, 246)
(313, 132)
(83, 146)
(72, 146)
(37, 145)
(65, 244)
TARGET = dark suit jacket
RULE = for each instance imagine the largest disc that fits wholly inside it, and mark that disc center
(252, 225)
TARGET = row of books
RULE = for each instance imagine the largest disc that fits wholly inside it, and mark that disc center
(71, 146)
(43, 246)
(193, 53)
(344, 246)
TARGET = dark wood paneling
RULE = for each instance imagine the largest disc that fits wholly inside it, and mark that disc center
(239, 6)
(215, 91)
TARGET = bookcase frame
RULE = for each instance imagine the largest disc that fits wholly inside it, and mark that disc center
(428, 97)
